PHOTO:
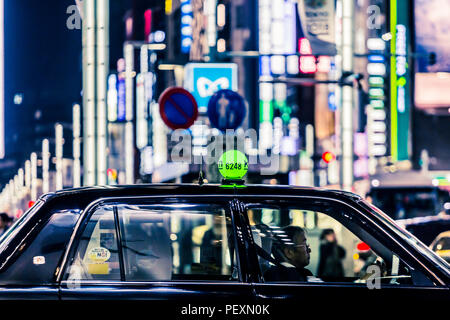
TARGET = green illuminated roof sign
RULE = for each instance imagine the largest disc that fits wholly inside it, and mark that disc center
(233, 165)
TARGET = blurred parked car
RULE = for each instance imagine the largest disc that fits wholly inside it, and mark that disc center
(441, 245)
(407, 202)
(407, 194)
(426, 228)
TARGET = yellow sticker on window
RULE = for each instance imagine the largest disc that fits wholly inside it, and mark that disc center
(99, 254)
(98, 268)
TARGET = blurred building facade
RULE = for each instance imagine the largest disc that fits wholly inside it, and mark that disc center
(294, 94)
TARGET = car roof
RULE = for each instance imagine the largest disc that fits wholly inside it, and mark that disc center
(85, 195)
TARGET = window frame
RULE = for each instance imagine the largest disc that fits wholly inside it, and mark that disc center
(86, 215)
(370, 226)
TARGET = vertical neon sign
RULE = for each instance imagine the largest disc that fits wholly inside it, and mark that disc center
(394, 129)
(400, 106)
(186, 25)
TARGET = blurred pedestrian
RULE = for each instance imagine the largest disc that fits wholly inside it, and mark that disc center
(331, 255)
(5, 222)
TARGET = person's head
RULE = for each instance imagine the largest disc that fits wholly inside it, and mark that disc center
(4, 219)
(328, 235)
(293, 247)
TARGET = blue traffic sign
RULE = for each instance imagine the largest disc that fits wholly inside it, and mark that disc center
(226, 110)
(205, 79)
(178, 108)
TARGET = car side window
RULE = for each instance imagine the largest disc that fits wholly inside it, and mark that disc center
(323, 244)
(176, 242)
(156, 242)
(97, 255)
(38, 263)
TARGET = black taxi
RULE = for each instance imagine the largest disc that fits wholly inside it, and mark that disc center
(211, 243)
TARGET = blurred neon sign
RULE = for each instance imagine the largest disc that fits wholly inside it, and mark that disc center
(186, 26)
(401, 67)
(307, 63)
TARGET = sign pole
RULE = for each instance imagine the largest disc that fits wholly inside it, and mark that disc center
(102, 67)
(89, 92)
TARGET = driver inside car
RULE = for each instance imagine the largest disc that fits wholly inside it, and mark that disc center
(292, 252)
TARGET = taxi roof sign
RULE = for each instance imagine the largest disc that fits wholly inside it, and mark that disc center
(233, 165)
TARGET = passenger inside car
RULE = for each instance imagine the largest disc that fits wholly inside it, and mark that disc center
(211, 247)
(148, 252)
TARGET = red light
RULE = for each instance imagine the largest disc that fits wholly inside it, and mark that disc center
(19, 212)
(31, 203)
(304, 47)
(328, 157)
(362, 246)
(148, 23)
(324, 64)
(112, 174)
(308, 64)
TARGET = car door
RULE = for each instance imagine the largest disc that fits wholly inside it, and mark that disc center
(366, 264)
(154, 248)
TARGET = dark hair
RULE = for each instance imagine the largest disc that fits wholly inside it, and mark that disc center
(5, 218)
(280, 243)
(326, 232)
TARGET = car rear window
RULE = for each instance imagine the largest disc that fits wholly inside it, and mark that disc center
(38, 263)
(156, 242)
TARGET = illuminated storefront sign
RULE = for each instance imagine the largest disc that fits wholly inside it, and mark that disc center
(277, 44)
(376, 81)
(324, 64)
(401, 67)
(290, 27)
(147, 160)
(307, 63)
(210, 13)
(376, 115)
(399, 77)
(332, 101)
(168, 6)
(264, 65)
(141, 113)
(121, 101)
(376, 58)
(186, 25)
(376, 69)
(376, 44)
(112, 98)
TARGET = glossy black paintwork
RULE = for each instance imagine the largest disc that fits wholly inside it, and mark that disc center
(78, 199)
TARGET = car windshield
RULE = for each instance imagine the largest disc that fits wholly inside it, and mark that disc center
(411, 239)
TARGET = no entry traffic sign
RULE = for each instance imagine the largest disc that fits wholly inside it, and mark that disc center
(178, 108)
